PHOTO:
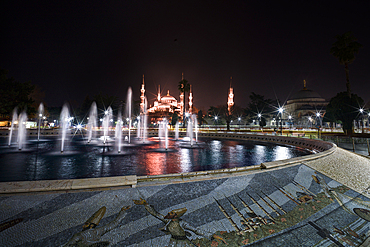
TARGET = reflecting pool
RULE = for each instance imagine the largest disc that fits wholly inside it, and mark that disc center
(87, 161)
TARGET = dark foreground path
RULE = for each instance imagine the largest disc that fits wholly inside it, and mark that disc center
(282, 207)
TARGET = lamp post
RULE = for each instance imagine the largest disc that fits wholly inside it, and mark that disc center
(318, 115)
(310, 121)
(259, 115)
(216, 122)
(239, 121)
(362, 120)
(281, 119)
(290, 121)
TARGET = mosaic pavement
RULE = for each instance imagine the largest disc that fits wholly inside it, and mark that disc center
(292, 206)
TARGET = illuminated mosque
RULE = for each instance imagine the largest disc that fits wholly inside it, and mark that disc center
(166, 106)
(306, 107)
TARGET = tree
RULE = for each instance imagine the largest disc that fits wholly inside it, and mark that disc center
(200, 118)
(345, 109)
(15, 94)
(224, 113)
(258, 105)
(344, 49)
(174, 118)
(184, 87)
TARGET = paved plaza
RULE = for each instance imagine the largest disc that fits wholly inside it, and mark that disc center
(323, 202)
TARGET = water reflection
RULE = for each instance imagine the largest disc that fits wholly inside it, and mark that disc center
(281, 153)
(154, 163)
(260, 154)
(90, 162)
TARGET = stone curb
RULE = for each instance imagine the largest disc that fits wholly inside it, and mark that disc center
(67, 184)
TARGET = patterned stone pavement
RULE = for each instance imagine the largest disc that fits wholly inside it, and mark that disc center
(219, 212)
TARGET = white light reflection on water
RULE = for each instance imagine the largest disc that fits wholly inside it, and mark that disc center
(215, 152)
(239, 154)
(260, 154)
(281, 153)
(185, 160)
(235, 154)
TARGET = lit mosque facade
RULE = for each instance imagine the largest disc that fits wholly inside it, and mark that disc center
(165, 106)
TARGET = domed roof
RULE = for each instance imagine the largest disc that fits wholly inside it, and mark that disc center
(168, 96)
(305, 94)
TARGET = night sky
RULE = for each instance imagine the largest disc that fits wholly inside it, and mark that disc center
(75, 48)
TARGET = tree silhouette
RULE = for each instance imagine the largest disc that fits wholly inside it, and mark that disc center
(344, 108)
(15, 94)
(344, 49)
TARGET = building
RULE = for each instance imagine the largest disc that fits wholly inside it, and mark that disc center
(165, 106)
(305, 108)
(230, 99)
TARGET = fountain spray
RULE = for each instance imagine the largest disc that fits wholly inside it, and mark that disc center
(15, 117)
(41, 113)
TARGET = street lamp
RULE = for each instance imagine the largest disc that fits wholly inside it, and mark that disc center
(281, 119)
(239, 118)
(362, 119)
(310, 119)
(259, 115)
(290, 120)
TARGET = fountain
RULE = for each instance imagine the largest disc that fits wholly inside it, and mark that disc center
(91, 162)
(91, 125)
(163, 138)
(145, 120)
(64, 122)
(165, 126)
(192, 127)
(106, 120)
(138, 128)
(117, 150)
(177, 131)
(15, 117)
(142, 127)
(119, 132)
(196, 127)
(22, 130)
(128, 112)
(41, 113)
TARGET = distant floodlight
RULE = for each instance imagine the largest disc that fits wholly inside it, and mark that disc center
(259, 115)
(280, 110)
(361, 110)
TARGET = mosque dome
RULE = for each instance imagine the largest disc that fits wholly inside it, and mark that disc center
(168, 98)
(306, 94)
